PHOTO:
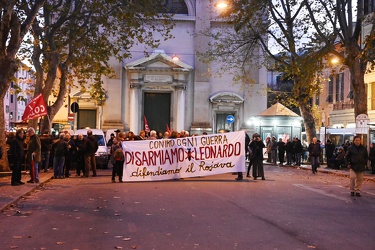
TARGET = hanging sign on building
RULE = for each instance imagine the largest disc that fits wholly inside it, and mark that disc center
(361, 124)
(165, 159)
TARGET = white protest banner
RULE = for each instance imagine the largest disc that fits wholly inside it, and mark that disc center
(167, 159)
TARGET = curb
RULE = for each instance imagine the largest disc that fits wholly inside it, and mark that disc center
(27, 193)
(333, 172)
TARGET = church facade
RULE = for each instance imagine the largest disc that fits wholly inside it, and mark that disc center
(183, 94)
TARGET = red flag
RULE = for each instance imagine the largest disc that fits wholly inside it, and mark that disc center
(167, 129)
(147, 129)
(36, 108)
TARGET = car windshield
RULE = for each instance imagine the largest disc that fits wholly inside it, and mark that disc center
(100, 140)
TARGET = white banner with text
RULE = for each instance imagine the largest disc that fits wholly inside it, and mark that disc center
(165, 159)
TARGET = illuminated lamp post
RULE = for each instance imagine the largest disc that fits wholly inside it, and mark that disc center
(221, 5)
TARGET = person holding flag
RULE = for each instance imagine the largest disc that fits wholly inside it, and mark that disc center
(36, 108)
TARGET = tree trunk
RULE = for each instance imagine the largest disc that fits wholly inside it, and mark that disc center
(308, 120)
(4, 164)
(8, 69)
(59, 102)
(357, 72)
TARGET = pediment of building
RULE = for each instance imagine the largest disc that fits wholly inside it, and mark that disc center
(158, 61)
(81, 95)
(226, 97)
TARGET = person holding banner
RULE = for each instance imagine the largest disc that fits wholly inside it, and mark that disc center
(34, 155)
(247, 142)
(118, 156)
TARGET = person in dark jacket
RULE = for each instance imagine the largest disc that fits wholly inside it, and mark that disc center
(70, 156)
(314, 152)
(90, 146)
(356, 159)
(338, 158)
(46, 143)
(247, 141)
(256, 146)
(34, 153)
(80, 164)
(297, 148)
(289, 152)
(18, 155)
(60, 149)
(281, 149)
(372, 157)
(330, 148)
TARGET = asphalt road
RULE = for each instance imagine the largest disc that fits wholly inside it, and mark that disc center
(291, 209)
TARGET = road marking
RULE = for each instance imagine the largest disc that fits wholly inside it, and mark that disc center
(319, 191)
(369, 193)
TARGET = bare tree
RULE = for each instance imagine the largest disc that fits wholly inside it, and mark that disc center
(15, 21)
(297, 36)
(74, 41)
(345, 41)
(244, 37)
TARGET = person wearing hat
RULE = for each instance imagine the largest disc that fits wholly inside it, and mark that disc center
(110, 141)
(339, 159)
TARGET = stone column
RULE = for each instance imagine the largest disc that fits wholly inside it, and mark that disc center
(180, 121)
(134, 121)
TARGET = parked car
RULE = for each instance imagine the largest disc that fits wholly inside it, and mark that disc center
(101, 154)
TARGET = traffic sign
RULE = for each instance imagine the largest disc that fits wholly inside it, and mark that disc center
(74, 107)
(70, 117)
(230, 119)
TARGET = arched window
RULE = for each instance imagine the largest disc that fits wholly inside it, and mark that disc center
(175, 6)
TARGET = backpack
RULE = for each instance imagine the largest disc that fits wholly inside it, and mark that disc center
(119, 154)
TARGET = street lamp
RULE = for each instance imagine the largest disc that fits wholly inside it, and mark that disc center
(175, 58)
(335, 60)
(221, 5)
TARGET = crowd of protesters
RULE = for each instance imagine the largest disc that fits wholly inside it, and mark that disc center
(296, 152)
(67, 152)
(292, 152)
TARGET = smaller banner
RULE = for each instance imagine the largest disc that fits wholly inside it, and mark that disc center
(36, 108)
(167, 159)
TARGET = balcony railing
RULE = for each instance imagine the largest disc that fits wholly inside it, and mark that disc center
(343, 105)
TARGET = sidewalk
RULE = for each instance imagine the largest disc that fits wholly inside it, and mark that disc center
(323, 169)
(10, 194)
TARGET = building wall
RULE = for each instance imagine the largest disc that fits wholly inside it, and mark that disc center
(124, 104)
